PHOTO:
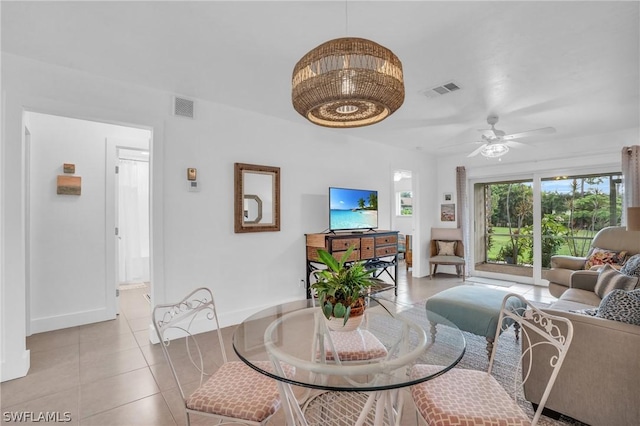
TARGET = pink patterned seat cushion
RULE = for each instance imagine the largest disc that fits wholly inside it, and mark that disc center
(235, 390)
(464, 397)
(356, 345)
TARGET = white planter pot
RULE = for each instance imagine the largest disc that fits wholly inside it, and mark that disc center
(337, 324)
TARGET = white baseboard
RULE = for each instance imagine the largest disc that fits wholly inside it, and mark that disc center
(16, 365)
(40, 325)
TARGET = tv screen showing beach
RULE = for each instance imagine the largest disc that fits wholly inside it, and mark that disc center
(352, 209)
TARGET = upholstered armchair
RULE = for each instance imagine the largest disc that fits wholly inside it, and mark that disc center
(607, 242)
(447, 248)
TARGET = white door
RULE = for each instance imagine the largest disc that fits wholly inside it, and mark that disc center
(113, 232)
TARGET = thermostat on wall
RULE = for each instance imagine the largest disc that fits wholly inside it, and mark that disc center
(193, 186)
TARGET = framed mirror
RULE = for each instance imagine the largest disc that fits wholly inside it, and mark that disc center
(256, 198)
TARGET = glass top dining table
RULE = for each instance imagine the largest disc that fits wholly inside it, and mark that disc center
(295, 334)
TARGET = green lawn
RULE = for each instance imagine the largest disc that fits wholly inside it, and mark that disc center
(500, 238)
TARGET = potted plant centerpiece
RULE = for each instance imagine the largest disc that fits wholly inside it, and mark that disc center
(340, 289)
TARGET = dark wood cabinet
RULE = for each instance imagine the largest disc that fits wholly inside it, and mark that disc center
(379, 250)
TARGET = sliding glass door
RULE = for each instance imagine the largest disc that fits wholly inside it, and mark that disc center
(520, 224)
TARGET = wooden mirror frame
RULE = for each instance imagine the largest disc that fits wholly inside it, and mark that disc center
(240, 224)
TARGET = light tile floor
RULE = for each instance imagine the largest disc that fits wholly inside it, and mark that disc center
(109, 374)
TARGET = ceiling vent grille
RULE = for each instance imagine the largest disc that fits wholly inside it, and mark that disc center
(183, 107)
(441, 90)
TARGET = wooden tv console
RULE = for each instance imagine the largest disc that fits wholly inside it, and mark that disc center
(379, 249)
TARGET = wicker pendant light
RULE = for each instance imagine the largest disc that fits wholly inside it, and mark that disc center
(347, 82)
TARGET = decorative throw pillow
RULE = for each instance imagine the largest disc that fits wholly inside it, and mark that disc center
(620, 305)
(446, 248)
(600, 256)
(609, 279)
(632, 266)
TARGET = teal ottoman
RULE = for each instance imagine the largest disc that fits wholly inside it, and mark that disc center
(474, 309)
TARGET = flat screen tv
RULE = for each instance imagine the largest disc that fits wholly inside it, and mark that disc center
(352, 209)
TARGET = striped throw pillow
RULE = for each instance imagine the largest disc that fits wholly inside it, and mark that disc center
(609, 279)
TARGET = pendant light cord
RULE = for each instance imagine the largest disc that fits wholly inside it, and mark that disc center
(346, 18)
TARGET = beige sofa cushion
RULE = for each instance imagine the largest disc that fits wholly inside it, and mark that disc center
(617, 238)
(609, 279)
(614, 238)
(574, 296)
(559, 275)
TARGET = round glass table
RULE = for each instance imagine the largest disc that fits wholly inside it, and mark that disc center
(357, 374)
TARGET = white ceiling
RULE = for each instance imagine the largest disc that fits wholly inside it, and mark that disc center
(571, 65)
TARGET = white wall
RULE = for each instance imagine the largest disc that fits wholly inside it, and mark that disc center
(67, 232)
(193, 242)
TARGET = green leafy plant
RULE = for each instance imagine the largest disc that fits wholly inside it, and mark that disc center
(509, 252)
(341, 286)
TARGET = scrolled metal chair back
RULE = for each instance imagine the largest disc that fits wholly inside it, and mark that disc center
(543, 334)
(183, 320)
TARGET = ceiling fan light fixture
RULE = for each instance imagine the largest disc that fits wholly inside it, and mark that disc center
(494, 150)
(347, 82)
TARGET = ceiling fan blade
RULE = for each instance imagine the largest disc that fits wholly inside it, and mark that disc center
(543, 131)
(477, 151)
(514, 144)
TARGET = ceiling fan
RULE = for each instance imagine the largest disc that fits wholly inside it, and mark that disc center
(495, 143)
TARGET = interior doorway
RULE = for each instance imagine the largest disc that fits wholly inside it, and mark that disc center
(402, 214)
(71, 263)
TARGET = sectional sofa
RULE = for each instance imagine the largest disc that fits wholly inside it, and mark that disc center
(599, 382)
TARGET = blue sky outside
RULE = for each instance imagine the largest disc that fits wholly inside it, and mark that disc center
(347, 199)
(563, 186)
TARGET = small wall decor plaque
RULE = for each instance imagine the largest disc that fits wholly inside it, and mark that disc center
(69, 185)
(191, 173)
(448, 196)
(447, 212)
(69, 168)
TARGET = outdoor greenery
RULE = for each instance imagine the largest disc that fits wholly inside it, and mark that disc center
(406, 208)
(569, 219)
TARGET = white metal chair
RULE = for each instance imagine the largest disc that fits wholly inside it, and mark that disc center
(475, 397)
(234, 392)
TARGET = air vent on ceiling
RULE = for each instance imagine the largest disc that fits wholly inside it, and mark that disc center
(183, 107)
(441, 90)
